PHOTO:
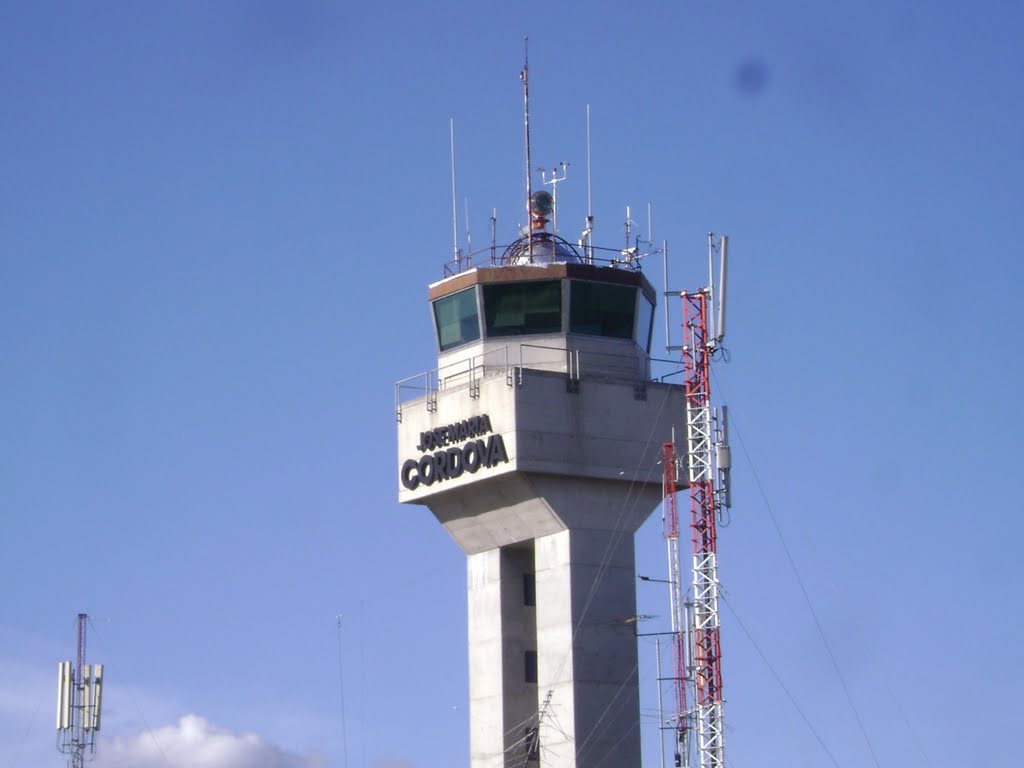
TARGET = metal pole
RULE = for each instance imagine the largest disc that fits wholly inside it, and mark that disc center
(455, 219)
(525, 75)
(661, 709)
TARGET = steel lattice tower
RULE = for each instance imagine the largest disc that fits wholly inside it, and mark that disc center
(707, 656)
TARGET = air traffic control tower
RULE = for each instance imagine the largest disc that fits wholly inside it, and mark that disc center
(536, 443)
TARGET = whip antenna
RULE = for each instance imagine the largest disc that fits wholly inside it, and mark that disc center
(524, 75)
(455, 219)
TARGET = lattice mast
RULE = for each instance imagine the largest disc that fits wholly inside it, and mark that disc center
(680, 720)
(79, 696)
(707, 473)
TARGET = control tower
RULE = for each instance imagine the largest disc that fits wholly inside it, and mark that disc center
(536, 443)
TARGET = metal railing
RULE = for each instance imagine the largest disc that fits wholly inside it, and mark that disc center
(575, 363)
(499, 256)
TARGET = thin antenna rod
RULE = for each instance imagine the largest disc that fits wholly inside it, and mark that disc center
(494, 234)
(455, 219)
(525, 77)
(469, 238)
(661, 707)
(589, 232)
(723, 265)
(81, 648)
(664, 260)
(590, 202)
(711, 289)
(341, 688)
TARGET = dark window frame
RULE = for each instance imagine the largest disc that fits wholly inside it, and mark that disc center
(451, 297)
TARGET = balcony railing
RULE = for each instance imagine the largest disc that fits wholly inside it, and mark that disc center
(510, 361)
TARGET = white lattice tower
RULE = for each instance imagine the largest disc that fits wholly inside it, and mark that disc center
(680, 719)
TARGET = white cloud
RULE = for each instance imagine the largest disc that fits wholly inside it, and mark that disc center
(193, 742)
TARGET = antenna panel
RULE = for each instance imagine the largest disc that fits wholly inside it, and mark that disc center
(723, 264)
(63, 695)
(96, 697)
(86, 696)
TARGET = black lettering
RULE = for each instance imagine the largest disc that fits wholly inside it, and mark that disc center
(469, 451)
(496, 450)
(409, 477)
(471, 455)
(455, 463)
(441, 465)
(427, 471)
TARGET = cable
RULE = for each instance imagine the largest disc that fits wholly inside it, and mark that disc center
(138, 710)
(807, 597)
(611, 749)
(25, 738)
(618, 705)
(778, 679)
(629, 504)
(341, 690)
(362, 680)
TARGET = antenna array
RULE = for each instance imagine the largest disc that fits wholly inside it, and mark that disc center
(79, 700)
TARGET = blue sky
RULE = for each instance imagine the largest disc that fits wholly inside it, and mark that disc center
(217, 222)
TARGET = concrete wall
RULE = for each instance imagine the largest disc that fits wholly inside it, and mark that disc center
(586, 604)
(502, 628)
(592, 428)
(585, 702)
(583, 471)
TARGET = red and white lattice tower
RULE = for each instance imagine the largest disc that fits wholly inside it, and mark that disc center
(700, 449)
(697, 648)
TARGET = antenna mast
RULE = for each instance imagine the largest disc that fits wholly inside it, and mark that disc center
(681, 719)
(79, 695)
(587, 240)
(524, 75)
(455, 218)
(708, 467)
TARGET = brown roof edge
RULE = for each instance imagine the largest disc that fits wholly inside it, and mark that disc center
(527, 272)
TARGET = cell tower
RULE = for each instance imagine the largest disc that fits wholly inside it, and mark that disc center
(696, 648)
(79, 696)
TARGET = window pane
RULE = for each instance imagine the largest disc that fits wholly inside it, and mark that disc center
(530, 665)
(529, 589)
(457, 319)
(516, 309)
(645, 323)
(600, 309)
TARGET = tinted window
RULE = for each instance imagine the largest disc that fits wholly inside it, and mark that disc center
(457, 319)
(645, 323)
(600, 309)
(516, 309)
